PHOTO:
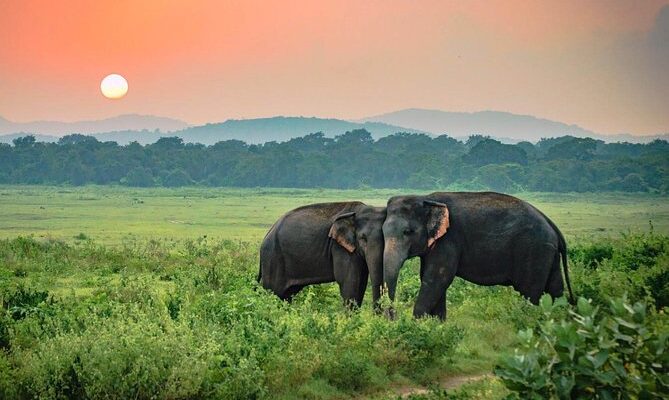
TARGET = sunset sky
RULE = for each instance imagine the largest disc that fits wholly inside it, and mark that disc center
(603, 65)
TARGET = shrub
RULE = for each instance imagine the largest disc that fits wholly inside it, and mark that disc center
(81, 236)
(640, 250)
(411, 346)
(4, 331)
(620, 353)
(636, 264)
(23, 301)
(349, 370)
(591, 254)
(8, 388)
(656, 280)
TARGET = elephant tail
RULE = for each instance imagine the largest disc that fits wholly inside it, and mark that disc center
(562, 248)
(563, 252)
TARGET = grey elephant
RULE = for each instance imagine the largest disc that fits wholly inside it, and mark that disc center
(485, 238)
(321, 243)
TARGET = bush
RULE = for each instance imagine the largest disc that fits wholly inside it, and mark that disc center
(620, 353)
(411, 347)
(4, 331)
(23, 301)
(8, 387)
(591, 254)
(636, 264)
(640, 250)
(121, 358)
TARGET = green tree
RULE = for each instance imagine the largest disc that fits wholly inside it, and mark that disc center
(177, 178)
(139, 177)
(489, 151)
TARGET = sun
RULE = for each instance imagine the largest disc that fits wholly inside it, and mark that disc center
(114, 86)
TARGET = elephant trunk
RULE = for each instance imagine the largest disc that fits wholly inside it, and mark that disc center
(392, 262)
(375, 266)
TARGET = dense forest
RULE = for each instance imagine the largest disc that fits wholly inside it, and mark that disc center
(351, 160)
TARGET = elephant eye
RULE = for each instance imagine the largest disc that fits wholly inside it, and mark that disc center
(408, 232)
(363, 238)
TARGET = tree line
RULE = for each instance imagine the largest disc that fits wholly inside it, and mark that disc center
(351, 160)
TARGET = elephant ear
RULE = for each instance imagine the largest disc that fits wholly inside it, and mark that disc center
(437, 221)
(343, 231)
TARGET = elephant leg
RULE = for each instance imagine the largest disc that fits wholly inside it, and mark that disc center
(438, 271)
(535, 264)
(351, 275)
(439, 309)
(362, 285)
(289, 293)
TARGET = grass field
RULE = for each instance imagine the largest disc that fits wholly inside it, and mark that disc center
(110, 214)
(118, 294)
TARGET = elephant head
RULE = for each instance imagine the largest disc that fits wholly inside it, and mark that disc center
(360, 231)
(412, 227)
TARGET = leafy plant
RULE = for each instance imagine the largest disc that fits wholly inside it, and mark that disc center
(23, 301)
(617, 354)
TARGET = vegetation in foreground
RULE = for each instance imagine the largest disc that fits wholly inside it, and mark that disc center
(615, 352)
(185, 319)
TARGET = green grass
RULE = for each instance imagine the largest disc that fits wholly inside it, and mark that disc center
(130, 270)
(112, 214)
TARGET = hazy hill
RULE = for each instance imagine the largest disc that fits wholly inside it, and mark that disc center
(124, 129)
(261, 130)
(255, 131)
(119, 123)
(501, 125)
(40, 138)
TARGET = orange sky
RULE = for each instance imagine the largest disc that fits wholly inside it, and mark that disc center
(599, 64)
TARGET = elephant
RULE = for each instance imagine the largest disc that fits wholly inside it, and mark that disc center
(321, 243)
(486, 238)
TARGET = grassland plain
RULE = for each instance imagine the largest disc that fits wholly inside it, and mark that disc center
(119, 294)
(112, 214)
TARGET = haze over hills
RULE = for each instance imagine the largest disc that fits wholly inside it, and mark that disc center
(254, 131)
(118, 123)
(504, 126)
(279, 129)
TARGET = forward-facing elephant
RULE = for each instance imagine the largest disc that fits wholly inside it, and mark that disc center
(321, 243)
(485, 238)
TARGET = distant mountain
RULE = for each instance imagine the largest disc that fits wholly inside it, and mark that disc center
(504, 126)
(119, 123)
(251, 131)
(40, 138)
(261, 130)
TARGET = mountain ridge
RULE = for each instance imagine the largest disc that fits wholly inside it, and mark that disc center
(500, 125)
(488, 122)
(252, 131)
(116, 123)
(503, 125)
